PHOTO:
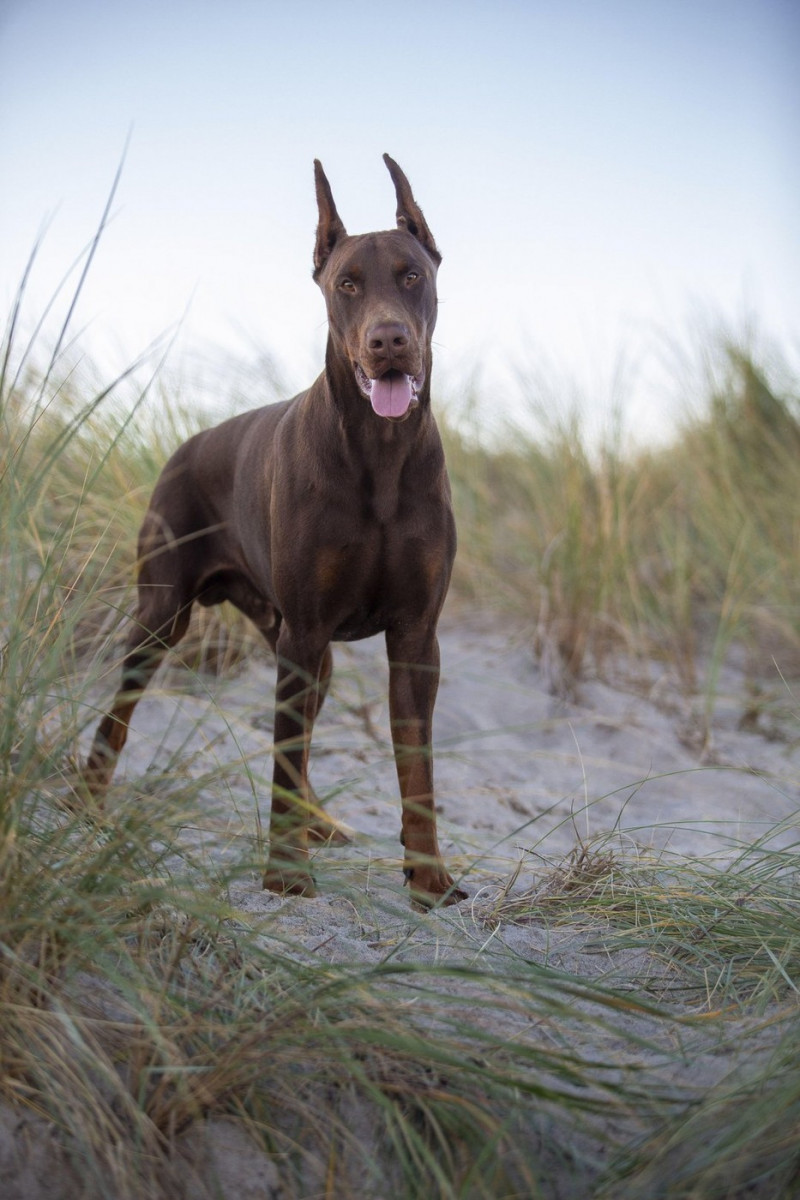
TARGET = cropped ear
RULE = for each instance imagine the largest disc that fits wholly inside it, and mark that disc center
(409, 213)
(330, 229)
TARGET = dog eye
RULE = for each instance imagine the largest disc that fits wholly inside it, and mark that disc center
(347, 285)
(412, 276)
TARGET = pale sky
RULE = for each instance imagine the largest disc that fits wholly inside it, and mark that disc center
(599, 176)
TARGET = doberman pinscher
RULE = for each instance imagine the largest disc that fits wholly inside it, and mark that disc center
(322, 518)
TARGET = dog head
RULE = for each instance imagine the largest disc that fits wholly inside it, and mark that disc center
(380, 292)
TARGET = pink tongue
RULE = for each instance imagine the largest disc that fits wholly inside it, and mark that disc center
(391, 396)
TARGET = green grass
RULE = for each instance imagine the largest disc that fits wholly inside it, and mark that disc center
(138, 1001)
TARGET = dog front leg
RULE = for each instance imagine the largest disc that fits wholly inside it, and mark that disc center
(297, 701)
(413, 684)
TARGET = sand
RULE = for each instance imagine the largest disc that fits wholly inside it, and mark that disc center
(522, 778)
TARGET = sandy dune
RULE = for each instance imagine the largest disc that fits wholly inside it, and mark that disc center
(521, 778)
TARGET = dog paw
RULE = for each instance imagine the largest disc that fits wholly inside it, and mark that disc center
(87, 785)
(91, 781)
(432, 886)
(289, 879)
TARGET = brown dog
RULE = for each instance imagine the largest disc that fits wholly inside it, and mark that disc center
(322, 518)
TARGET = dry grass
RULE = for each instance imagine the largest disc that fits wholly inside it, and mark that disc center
(687, 552)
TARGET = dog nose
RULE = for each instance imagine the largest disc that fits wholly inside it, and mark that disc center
(388, 337)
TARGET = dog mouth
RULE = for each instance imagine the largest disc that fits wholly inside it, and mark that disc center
(393, 395)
